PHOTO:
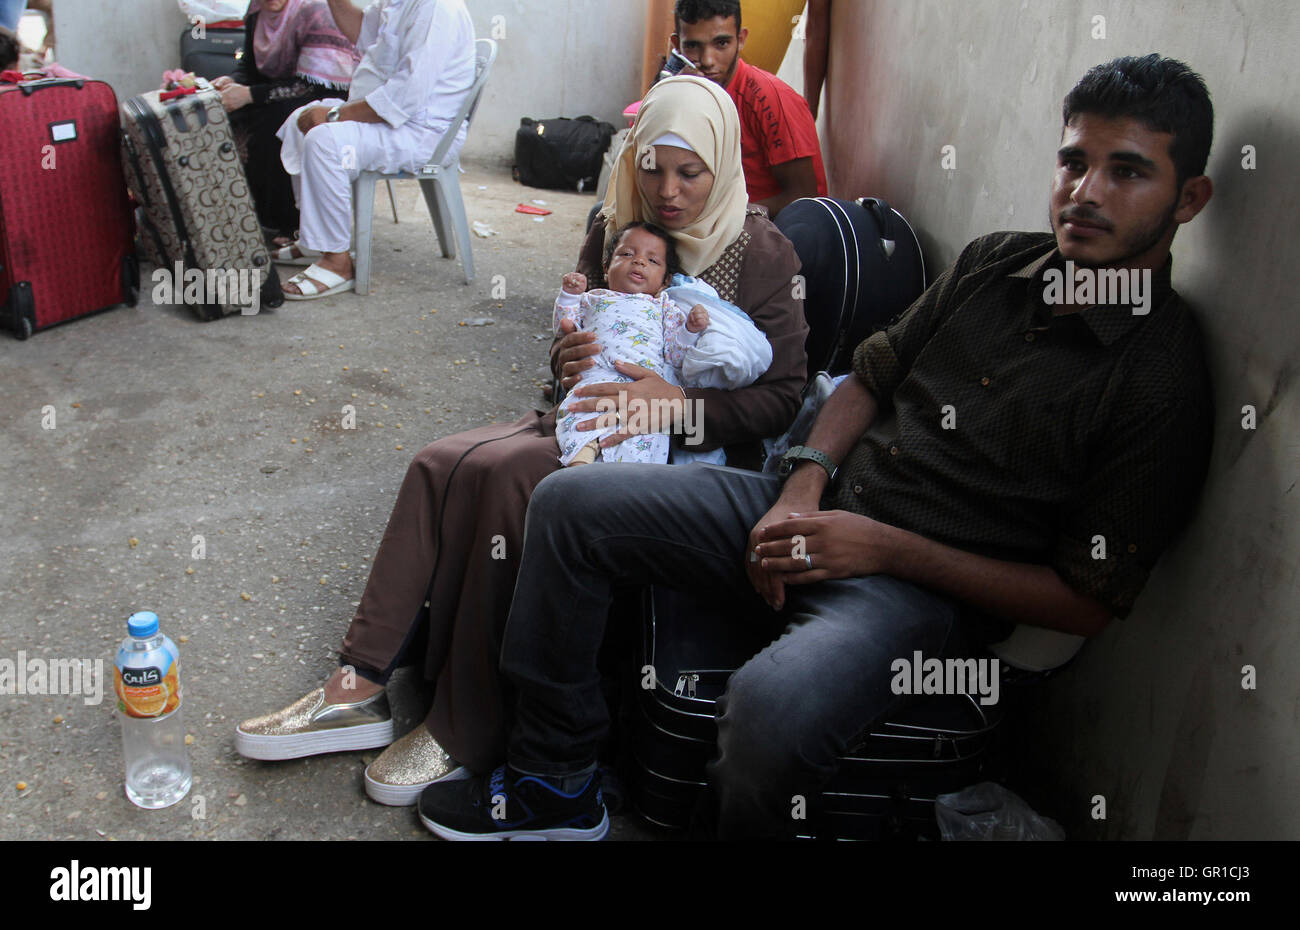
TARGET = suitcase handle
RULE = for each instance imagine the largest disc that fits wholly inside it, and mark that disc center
(881, 210)
(32, 87)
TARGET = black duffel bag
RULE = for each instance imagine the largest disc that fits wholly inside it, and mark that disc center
(862, 266)
(561, 153)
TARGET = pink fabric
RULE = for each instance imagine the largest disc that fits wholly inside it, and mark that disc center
(302, 40)
(52, 70)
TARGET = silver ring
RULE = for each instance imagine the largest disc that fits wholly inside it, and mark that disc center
(807, 561)
(753, 555)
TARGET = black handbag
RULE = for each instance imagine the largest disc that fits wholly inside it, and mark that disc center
(214, 55)
(561, 153)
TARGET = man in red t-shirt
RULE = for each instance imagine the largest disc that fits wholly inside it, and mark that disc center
(778, 138)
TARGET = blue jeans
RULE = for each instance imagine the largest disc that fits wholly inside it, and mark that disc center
(11, 11)
(787, 715)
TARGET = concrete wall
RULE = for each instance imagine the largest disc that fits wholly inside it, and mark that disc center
(128, 43)
(556, 57)
(1153, 715)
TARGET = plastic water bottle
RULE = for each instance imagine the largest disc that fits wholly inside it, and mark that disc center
(147, 680)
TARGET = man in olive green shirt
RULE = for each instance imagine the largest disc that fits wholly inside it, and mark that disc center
(1053, 428)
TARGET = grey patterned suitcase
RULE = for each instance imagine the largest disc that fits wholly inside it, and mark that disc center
(195, 211)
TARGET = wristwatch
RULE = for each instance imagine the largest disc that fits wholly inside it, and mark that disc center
(800, 453)
(333, 115)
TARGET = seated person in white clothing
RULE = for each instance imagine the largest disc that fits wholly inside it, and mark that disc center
(659, 320)
(417, 66)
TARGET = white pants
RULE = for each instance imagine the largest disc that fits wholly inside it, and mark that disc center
(324, 163)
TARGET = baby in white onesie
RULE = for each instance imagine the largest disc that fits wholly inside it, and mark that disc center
(637, 320)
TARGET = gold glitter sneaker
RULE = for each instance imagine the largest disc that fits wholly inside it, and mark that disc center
(310, 726)
(407, 767)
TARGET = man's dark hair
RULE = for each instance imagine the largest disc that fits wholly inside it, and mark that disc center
(672, 265)
(692, 11)
(9, 49)
(1161, 93)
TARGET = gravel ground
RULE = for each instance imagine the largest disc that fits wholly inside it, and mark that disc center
(167, 429)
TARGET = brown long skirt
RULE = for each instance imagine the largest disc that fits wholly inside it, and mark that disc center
(465, 564)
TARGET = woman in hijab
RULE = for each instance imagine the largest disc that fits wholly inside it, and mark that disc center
(455, 534)
(293, 55)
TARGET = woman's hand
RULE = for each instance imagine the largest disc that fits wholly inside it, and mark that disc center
(222, 82)
(638, 406)
(235, 97)
(575, 354)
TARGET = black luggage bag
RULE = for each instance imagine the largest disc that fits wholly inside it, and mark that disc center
(885, 787)
(862, 267)
(216, 54)
(561, 153)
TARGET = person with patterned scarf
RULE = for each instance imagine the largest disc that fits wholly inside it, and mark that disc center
(294, 55)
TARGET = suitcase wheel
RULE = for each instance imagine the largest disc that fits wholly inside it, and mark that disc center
(272, 293)
(22, 310)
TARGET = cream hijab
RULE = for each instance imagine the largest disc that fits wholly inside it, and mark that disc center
(702, 113)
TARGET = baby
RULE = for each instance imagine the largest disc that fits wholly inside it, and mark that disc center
(642, 320)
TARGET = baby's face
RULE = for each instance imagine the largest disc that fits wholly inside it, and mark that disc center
(639, 264)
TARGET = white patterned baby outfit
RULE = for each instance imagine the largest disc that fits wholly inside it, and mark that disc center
(650, 331)
(642, 329)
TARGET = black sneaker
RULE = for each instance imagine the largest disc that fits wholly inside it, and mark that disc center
(508, 805)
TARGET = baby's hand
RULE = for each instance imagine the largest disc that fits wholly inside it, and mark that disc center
(698, 321)
(575, 283)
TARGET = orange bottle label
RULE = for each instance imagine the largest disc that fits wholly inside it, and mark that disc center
(147, 692)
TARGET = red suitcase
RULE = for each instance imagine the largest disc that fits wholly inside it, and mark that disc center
(66, 232)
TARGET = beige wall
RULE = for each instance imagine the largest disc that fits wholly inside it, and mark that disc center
(1153, 716)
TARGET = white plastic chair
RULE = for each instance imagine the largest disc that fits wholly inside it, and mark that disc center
(439, 182)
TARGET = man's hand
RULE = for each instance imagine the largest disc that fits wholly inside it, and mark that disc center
(839, 544)
(235, 96)
(312, 117)
(575, 353)
(638, 412)
(768, 581)
(575, 283)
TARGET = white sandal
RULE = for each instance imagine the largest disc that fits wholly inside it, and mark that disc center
(284, 255)
(306, 280)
